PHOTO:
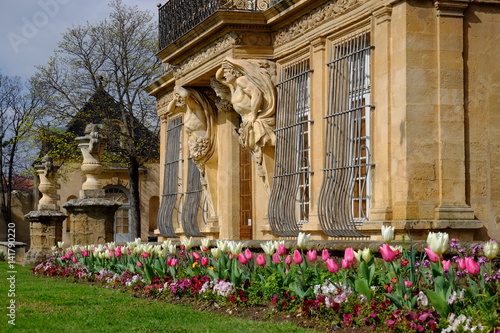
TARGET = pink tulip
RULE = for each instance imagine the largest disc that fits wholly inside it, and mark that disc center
(297, 257)
(128, 251)
(311, 255)
(432, 255)
(472, 266)
(345, 264)
(73, 259)
(196, 256)
(139, 264)
(281, 250)
(349, 255)
(408, 283)
(288, 260)
(145, 255)
(204, 261)
(387, 253)
(325, 255)
(331, 265)
(70, 253)
(248, 254)
(242, 259)
(111, 253)
(446, 265)
(171, 262)
(261, 260)
(461, 263)
(276, 258)
(85, 253)
(118, 251)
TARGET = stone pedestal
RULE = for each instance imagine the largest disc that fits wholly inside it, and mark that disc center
(46, 231)
(91, 220)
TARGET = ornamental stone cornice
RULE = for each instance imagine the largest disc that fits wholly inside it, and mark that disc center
(315, 18)
(220, 46)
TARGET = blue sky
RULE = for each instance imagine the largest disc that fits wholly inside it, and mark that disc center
(31, 29)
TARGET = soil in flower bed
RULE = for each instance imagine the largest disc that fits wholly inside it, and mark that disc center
(263, 312)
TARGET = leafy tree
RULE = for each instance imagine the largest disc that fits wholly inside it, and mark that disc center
(117, 55)
(19, 110)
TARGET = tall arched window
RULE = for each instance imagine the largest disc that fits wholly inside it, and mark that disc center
(121, 225)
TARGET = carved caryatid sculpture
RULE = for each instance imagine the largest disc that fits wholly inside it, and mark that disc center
(253, 97)
(199, 123)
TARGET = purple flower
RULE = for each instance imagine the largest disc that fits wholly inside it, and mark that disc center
(454, 243)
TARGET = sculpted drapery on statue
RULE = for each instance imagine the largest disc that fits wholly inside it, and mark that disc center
(253, 96)
(199, 123)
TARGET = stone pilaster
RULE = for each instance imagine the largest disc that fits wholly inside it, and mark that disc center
(450, 108)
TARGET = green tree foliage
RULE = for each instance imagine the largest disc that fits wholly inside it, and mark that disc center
(98, 75)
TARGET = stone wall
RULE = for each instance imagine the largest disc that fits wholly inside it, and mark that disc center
(22, 204)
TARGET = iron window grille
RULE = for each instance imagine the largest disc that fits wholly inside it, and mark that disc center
(289, 201)
(192, 202)
(345, 194)
(171, 207)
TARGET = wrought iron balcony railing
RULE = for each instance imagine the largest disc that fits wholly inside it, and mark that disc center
(178, 17)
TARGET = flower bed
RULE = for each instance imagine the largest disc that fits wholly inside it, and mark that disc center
(402, 291)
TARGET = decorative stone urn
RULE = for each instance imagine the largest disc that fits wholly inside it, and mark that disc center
(46, 222)
(92, 215)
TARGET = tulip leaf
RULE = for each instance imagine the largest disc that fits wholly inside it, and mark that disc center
(439, 302)
(362, 287)
(396, 300)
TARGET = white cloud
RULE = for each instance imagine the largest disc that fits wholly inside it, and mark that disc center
(31, 29)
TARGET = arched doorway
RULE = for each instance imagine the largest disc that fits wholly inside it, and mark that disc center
(121, 225)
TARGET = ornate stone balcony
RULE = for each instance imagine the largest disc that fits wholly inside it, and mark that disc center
(178, 17)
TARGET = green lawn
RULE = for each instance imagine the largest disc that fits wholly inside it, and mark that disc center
(55, 305)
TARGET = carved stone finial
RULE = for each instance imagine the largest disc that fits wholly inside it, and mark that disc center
(46, 173)
(92, 145)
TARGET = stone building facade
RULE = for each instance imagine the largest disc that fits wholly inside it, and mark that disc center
(329, 117)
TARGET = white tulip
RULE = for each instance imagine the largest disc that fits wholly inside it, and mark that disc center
(205, 242)
(172, 249)
(216, 251)
(268, 247)
(387, 234)
(303, 240)
(222, 244)
(491, 249)
(188, 243)
(438, 242)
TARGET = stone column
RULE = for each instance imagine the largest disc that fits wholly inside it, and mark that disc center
(46, 222)
(91, 215)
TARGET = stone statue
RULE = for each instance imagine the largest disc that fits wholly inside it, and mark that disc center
(253, 96)
(199, 122)
(92, 152)
(200, 126)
